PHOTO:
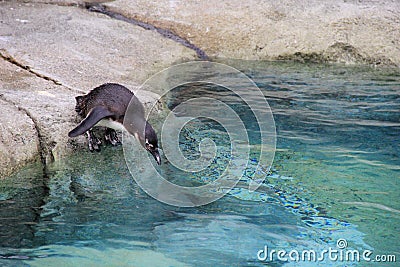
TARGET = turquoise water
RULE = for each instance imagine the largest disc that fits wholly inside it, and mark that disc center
(335, 176)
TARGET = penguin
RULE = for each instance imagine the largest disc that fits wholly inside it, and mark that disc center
(106, 105)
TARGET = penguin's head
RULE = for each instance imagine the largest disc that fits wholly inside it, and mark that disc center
(148, 140)
(151, 143)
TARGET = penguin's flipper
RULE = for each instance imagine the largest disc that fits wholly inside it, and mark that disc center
(94, 116)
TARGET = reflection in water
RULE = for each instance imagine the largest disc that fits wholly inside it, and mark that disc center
(334, 176)
(21, 199)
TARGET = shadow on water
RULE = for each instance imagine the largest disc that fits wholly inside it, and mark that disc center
(334, 176)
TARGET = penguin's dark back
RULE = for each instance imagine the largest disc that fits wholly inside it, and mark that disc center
(114, 97)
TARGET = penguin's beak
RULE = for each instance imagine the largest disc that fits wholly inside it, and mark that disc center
(156, 155)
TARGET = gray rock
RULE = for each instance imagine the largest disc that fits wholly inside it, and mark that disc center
(18, 139)
(50, 54)
(311, 30)
(82, 49)
(48, 109)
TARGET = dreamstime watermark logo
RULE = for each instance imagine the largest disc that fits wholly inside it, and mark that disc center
(341, 253)
(154, 180)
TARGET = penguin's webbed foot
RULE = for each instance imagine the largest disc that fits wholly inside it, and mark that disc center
(112, 137)
(94, 142)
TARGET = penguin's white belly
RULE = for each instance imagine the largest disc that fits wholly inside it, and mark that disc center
(111, 124)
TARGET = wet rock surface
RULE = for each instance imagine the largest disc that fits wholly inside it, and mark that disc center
(53, 50)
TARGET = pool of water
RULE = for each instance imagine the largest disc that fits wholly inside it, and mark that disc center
(335, 176)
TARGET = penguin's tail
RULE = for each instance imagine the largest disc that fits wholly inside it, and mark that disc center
(80, 104)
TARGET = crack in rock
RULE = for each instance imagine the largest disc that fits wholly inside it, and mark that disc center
(36, 211)
(13, 61)
(99, 8)
(4, 55)
(42, 147)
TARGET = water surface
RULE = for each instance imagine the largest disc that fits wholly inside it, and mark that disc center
(335, 175)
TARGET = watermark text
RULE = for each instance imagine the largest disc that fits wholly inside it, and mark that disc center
(338, 254)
